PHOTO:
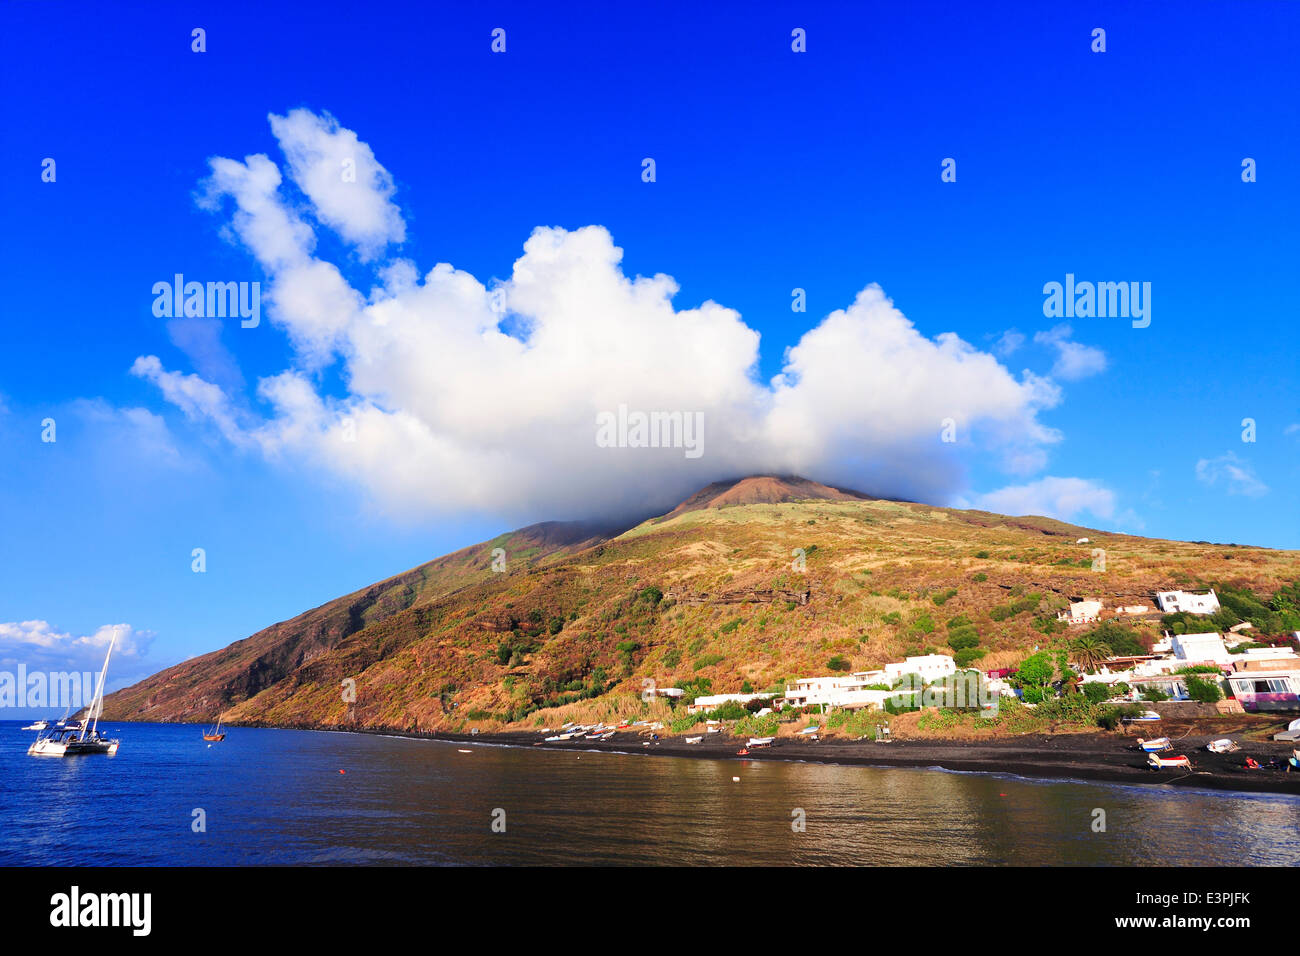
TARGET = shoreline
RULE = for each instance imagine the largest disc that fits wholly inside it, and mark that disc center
(1082, 757)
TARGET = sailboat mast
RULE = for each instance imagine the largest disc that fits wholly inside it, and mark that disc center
(97, 704)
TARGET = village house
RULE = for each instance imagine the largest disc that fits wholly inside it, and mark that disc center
(929, 667)
(843, 690)
(712, 701)
(1199, 649)
(1081, 612)
(1171, 602)
(863, 688)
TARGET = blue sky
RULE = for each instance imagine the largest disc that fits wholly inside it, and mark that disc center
(775, 170)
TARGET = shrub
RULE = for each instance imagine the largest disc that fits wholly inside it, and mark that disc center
(839, 663)
(981, 554)
(1110, 717)
(968, 655)
(1004, 611)
(1205, 691)
(961, 638)
(1096, 692)
(1123, 641)
(980, 578)
(923, 624)
(730, 626)
(943, 597)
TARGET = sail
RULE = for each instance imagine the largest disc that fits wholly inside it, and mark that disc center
(97, 705)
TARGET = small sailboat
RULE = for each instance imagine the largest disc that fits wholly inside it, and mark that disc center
(215, 733)
(73, 738)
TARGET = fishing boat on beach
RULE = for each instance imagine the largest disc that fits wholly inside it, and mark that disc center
(694, 740)
(758, 743)
(1144, 717)
(74, 738)
(1223, 745)
(1156, 762)
(1156, 745)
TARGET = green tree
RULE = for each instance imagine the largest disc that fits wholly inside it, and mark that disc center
(1205, 691)
(1088, 652)
(1035, 675)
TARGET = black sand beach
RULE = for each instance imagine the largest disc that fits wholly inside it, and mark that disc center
(1099, 757)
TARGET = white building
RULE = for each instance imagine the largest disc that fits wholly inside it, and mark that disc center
(710, 701)
(1081, 612)
(1200, 648)
(840, 690)
(930, 667)
(1172, 602)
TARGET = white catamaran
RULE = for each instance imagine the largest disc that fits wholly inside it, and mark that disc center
(83, 736)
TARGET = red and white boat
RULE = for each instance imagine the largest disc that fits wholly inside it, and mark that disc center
(1156, 762)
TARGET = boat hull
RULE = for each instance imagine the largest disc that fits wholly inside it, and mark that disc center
(72, 748)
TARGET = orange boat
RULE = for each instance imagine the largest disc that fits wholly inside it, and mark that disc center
(215, 733)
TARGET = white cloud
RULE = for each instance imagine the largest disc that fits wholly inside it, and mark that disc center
(39, 646)
(1236, 474)
(1073, 360)
(198, 399)
(1062, 498)
(1008, 343)
(462, 397)
(349, 190)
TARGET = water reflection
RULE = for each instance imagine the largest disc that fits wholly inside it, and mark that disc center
(278, 797)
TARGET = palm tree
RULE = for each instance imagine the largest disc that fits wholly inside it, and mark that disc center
(1088, 652)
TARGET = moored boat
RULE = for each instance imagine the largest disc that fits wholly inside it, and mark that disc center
(75, 738)
(215, 733)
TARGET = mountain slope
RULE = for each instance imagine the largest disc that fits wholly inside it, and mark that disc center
(198, 687)
(761, 489)
(760, 581)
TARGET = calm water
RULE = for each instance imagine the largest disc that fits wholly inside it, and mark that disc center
(276, 796)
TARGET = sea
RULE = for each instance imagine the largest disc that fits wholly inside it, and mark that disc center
(311, 798)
